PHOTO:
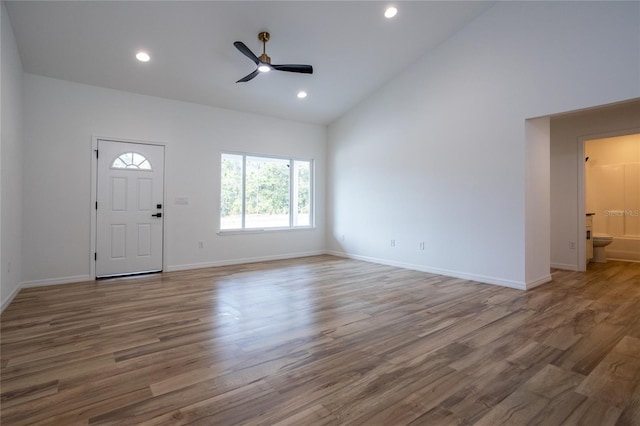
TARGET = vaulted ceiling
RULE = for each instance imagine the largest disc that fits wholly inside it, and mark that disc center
(354, 50)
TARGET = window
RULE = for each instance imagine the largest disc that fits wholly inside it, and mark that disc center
(131, 160)
(265, 192)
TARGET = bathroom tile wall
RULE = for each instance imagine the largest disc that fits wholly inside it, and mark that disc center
(613, 192)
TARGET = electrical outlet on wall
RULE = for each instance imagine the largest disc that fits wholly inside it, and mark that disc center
(393, 243)
(422, 245)
(200, 244)
(572, 245)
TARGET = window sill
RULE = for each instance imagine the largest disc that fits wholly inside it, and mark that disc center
(264, 231)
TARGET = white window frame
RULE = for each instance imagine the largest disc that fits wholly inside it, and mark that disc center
(136, 167)
(291, 226)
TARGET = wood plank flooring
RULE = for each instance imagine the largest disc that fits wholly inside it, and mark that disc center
(324, 341)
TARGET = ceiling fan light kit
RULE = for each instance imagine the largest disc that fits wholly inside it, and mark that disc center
(263, 62)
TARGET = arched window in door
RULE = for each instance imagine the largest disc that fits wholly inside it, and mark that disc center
(131, 160)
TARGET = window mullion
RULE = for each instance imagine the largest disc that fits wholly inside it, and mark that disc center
(312, 212)
(244, 189)
(291, 189)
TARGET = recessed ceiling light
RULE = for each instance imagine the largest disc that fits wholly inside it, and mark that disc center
(390, 12)
(143, 56)
(302, 94)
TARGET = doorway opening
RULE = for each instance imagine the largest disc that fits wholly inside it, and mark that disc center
(568, 133)
(610, 196)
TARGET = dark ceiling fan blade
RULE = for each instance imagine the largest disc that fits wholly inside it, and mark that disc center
(305, 69)
(264, 62)
(248, 77)
(246, 52)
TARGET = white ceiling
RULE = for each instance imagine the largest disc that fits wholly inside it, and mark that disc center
(352, 47)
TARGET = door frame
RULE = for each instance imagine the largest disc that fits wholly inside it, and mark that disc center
(582, 187)
(94, 197)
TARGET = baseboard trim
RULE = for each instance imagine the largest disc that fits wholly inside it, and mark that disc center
(184, 267)
(454, 274)
(542, 280)
(624, 255)
(9, 299)
(623, 260)
(229, 262)
(565, 266)
(81, 278)
(57, 281)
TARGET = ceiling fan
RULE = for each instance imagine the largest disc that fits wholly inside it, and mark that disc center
(264, 62)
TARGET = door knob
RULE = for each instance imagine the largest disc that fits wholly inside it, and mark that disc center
(157, 215)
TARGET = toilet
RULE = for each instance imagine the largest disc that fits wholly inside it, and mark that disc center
(600, 241)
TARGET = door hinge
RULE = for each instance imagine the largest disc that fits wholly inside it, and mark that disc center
(96, 205)
(96, 153)
(95, 256)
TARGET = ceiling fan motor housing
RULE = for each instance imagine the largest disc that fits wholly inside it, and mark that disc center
(264, 58)
(264, 38)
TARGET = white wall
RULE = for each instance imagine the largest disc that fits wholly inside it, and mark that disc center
(567, 133)
(537, 209)
(62, 117)
(439, 154)
(11, 163)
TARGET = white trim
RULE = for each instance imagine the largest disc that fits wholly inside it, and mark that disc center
(241, 261)
(582, 219)
(623, 255)
(42, 283)
(94, 196)
(291, 160)
(9, 299)
(226, 232)
(565, 266)
(538, 282)
(471, 277)
(57, 281)
(454, 274)
(623, 260)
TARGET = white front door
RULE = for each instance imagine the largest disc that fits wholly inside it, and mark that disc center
(129, 208)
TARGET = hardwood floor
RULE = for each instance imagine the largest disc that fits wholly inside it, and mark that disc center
(324, 341)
